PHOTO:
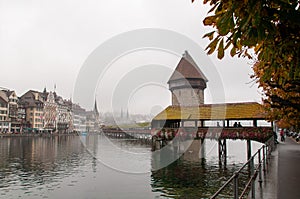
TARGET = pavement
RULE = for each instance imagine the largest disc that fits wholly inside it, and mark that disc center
(282, 178)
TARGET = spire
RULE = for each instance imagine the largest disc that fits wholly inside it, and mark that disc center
(96, 108)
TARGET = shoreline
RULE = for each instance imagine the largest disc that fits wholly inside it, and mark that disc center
(35, 135)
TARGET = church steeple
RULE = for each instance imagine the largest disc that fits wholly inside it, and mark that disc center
(96, 108)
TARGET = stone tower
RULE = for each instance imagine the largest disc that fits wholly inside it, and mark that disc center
(187, 83)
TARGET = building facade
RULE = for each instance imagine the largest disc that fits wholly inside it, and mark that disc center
(46, 112)
(49, 111)
(79, 118)
(3, 112)
(9, 112)
(33, 103)
(64, 115)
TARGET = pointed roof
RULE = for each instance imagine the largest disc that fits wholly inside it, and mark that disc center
(96, 108)
(188, 69)
(3, 95)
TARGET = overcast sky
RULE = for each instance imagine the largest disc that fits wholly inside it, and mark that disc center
(45, 43)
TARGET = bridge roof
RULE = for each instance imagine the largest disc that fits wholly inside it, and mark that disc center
(231, 111)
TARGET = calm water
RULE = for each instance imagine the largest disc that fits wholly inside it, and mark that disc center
(96, 167)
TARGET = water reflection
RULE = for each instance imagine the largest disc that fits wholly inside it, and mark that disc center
(190, 176)
(198, 173)
(29, 162)
(97, 167)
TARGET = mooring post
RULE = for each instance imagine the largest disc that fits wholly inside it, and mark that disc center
(236, 185)
(225, 149)
(222, 150)
(264, 158)
(153, 143)
(259, 167)
(202, 150)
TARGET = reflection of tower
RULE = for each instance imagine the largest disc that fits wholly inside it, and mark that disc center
(195, 151)
(121, 113)
(187, 83)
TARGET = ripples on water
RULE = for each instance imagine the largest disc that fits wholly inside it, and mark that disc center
(95, 167)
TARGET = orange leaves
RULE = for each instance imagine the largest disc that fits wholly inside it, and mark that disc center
(221, 49)
(210, 21)
(210, 35)
(272, 30)
(212, 46)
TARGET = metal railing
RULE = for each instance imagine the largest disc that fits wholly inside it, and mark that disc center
(263, 157)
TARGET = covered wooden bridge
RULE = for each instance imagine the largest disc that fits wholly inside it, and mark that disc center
(215, 121)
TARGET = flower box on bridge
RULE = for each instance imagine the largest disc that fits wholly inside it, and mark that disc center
(260, 134)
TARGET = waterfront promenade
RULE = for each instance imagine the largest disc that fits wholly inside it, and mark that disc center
(283, 177)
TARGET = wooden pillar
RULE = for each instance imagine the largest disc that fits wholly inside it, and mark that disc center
(202, 123)
(222, 149)
(255, 123)
(248, 149)
(202, 149)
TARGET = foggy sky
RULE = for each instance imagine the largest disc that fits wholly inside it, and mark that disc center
(45, 43)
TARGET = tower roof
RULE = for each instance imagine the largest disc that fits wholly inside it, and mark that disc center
(188, 69)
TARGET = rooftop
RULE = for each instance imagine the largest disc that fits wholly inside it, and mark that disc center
(188, 69)
(231, 111)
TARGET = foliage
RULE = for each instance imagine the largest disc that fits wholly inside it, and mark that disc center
(270, 29)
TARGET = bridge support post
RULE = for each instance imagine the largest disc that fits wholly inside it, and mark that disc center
(222, 150)
(202, 149)
(248, 149)
(156, 143)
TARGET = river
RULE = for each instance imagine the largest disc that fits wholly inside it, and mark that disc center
(94, 166)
